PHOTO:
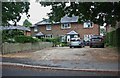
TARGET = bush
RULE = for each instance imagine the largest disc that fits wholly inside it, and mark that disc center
(8, 35)
(118, 39)
(110, 38)
(113, 38)
(63, 44)
(55, 41)
(11, 40)
(25, 39)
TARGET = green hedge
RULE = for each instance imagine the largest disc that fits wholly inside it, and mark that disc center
(25, 39)
(8, 35)
(118, 37)
(113, 38)
(55, 41)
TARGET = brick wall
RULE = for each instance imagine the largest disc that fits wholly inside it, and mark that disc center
(27, 33)
(56, 30)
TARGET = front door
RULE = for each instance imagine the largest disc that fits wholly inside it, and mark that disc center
(68, 38)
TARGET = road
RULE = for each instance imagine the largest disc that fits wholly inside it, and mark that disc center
(81, 58)
(22, 71)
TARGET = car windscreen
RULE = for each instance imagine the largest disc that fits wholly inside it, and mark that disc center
(96, 39)
(75, 40)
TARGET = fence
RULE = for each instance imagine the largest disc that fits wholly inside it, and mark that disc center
(17, 47)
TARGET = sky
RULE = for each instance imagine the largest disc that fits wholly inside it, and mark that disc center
(36, 11)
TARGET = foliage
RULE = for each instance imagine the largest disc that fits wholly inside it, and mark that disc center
(25, 39)
(13, 36)
(113, 38)
(118, 37)
(12, 11)
(8, 35)
(55, 41)
(63, 44)
(26, 23)
(98, 12)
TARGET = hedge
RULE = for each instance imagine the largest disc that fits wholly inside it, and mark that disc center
(113, 38)
(25, 39)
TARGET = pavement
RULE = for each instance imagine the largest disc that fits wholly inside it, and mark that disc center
(64, 58)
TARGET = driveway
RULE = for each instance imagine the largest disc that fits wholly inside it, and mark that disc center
(80, 58)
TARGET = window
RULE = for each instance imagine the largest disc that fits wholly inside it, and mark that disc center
(88, 25)
(87, 37)
(65, 26)
(48, 27)
(62, 38)
(35, 29)
(96, 39)
(49, 36)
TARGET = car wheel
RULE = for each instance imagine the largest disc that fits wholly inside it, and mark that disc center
(90, 46)
(70, 46)
(102, 46)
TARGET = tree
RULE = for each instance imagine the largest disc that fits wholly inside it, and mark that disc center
(12, 11)
(26, 23)
(98, 12)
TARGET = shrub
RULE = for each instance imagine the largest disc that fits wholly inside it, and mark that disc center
(25, 39)
(55, 41)
(118, 38)
(113, 38)
(8, 35)
(63, 44)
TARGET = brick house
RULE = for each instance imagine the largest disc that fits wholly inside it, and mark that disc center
(65, 26)
(26, 30)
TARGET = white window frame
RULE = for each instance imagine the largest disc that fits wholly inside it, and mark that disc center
(48, 27)
(85, 25)
(87, 37)
(35, 29)
(65, 26)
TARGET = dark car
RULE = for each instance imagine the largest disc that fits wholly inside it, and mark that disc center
(96, 41)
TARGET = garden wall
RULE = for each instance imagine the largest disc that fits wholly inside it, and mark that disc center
(17, 47)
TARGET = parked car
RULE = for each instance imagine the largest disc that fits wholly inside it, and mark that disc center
(87, 43)
(96, 41)
(76, 42)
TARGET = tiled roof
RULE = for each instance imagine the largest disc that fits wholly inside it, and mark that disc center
(14, 27)
(65, 19)
(44, 21)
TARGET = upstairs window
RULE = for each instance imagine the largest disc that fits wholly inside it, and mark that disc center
(48, 27)
(88, 25)
(65, 26)
(35, 29)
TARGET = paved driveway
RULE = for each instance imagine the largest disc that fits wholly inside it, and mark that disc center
(85, 58)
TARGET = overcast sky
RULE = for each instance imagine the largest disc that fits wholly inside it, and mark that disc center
(37, 12)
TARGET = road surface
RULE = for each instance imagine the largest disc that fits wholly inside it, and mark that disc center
(22, 71)
(81, 58)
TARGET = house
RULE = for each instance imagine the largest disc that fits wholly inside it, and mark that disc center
(67, 28)
(18, 27)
